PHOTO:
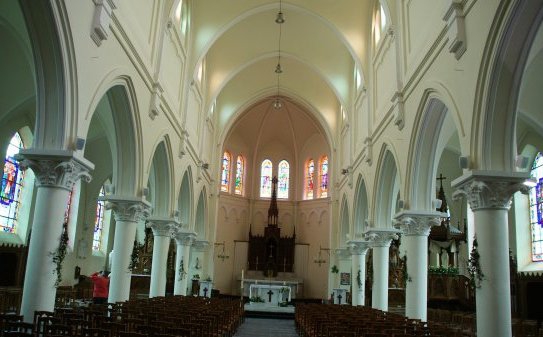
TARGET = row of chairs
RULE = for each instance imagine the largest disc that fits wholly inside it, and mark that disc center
(321, 320)
(156, 317)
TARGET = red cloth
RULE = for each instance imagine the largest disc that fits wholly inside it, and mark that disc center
(101, 285)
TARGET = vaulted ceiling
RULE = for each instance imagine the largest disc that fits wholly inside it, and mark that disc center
(322, 44)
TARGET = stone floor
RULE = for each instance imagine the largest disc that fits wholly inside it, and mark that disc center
(266, 327)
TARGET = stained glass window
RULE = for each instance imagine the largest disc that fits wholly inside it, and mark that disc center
(310, 179)
(240, 169)
(324, 176)
(282, 188)
(99, 222)
(266, 178)
(536, 209)
(12, 186)
(225, 171)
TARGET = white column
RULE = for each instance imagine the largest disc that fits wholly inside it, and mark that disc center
(358, 250)
(162, 234)
(128, 212)
(380, 242)
(489, 195)
(183, 239)
(416, 227)
(55, 177)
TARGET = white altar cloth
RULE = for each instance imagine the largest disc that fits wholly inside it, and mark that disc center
(277, 296)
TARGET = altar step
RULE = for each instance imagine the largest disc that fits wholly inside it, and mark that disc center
(269, 314)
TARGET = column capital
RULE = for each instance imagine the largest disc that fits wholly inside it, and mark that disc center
(417, 223)
(381, 237)
(56, 168)
(358, 247)
(489, 189)
(127, 208)
(200, 245)
(184, 237)
(162, 226)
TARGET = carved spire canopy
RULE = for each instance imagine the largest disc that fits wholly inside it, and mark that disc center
(273, 212)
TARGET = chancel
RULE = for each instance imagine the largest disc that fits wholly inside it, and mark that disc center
(224, 156)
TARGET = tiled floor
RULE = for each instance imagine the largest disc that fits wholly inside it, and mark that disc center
(266, 327)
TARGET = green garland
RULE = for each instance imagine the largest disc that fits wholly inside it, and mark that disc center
(474, 267)
(358, 279)
(59, 255)
(406, 277)
(135, 256)
(182, 272)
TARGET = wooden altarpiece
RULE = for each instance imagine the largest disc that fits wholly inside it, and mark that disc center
(271, 253)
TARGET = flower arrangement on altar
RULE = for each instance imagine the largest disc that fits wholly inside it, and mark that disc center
(443, 270)
(256, 299)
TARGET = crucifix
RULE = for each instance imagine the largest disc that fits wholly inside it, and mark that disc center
(441, 178)
(270, 293)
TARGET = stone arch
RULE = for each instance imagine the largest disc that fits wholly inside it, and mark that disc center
(116, 114)
(200, 221)
(386, 191)
(495, 116)
(344, 222)
(54, 74)
(433, 125)
(361, 212)
(159, 181)
(184, 200)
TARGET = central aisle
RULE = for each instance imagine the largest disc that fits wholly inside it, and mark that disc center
(267, 327)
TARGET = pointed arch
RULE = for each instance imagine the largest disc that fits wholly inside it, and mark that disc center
(495, 113)
(344, 222)
(200, 223)
(323, 177)
(266, 169)
(361, 213)
(184, 201)
(239, 182)
(387, 189)
(309, 181)
(283, 179)
(160, 180)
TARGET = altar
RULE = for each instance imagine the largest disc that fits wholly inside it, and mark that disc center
(256, 287)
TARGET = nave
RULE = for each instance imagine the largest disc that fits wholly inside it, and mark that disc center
(266, 327)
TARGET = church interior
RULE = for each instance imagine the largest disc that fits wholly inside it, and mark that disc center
(360, 167)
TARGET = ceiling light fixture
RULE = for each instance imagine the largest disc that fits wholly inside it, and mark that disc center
(280, 19)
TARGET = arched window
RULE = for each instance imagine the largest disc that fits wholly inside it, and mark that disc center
(225, 171)
(12, 186)
(266, 178)
(181, 15)
(536, 209)
(240, 170)
(282, 188)
(379, 23)
(99, 222)
(323, 173)
(309, 179)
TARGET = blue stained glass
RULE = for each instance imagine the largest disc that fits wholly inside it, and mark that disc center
(9, 181)
(266, 178)
(225, 171)
(536, 209)
(282, 189)
(12, 186)
(99, 222)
